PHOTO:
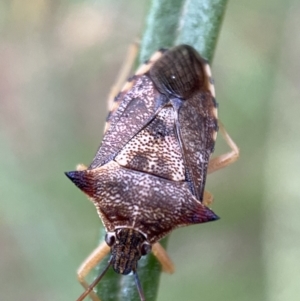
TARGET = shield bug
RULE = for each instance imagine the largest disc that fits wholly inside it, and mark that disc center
(148, 175)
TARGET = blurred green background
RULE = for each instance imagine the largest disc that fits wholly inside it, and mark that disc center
(58, 60)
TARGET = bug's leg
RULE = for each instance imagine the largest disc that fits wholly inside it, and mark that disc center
(227, 158)
(161, 254)
(91, 261)
(208, 198)
(81, 167)
(124, 73)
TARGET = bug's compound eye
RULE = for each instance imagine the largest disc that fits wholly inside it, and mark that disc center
(145, 248)
(110, 238)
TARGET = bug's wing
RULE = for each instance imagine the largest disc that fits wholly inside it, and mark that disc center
(134, 107)
(185, 77)
(197, 126)
(137, 107)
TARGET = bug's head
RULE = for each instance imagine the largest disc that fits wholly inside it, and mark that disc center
(127, 247)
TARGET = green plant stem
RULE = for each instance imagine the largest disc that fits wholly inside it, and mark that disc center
(200, 25)
(161, 26)
(193, 22)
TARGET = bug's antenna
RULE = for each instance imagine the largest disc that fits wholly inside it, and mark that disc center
(95, 282)
(139, 287)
